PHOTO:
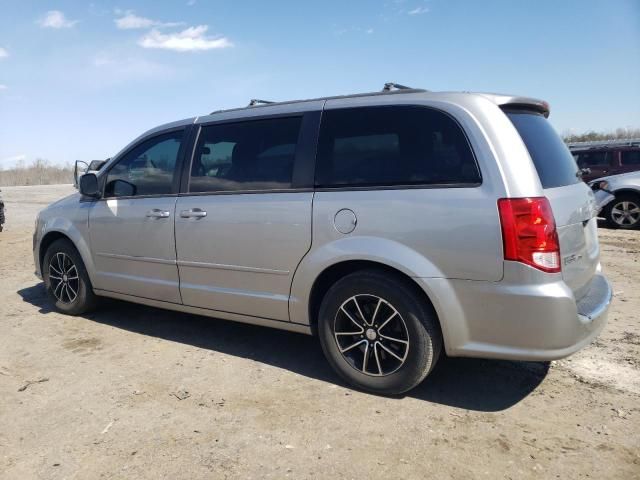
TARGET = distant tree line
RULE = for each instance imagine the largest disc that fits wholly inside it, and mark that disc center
(593, 136)
(38, 172)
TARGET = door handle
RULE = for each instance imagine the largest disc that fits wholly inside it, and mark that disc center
(193, 213)
(157, 213)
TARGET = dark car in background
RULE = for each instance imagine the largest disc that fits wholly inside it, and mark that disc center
(1, 211)
(608, 157)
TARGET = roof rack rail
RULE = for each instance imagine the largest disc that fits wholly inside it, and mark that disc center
(390, 89)
(257, 101)
(391, 86)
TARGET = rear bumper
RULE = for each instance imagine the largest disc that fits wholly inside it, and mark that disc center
(536, 322)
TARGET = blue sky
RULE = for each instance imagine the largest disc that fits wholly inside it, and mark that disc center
(79, 80)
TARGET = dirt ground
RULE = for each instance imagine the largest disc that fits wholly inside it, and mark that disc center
(136, 392)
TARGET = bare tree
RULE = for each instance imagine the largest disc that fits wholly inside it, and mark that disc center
(592, 135)
(38, 172)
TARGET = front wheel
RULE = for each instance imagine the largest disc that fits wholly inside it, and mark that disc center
(66, 279)
(378, 333)
(624, 211)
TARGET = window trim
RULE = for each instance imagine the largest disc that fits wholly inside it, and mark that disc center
(186, 137)
(417, 185)
(303, 164)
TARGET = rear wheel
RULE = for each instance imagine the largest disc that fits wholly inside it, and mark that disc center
(624, 211)
(378, 333)
(66, 279)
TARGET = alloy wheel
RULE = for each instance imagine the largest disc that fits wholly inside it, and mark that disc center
(371, 335)
(63, 277)
(625, 213)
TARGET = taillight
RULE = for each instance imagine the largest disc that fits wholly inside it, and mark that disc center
(529, 232)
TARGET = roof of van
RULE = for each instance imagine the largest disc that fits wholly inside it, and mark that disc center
(502, 100)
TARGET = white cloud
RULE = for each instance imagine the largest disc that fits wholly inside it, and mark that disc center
(190, 39)
(129, 21)
(3, 87)
(191, 3)
(3, 53)
(56, 19)
(418, 11)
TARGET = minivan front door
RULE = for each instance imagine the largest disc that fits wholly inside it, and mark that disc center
(132, 226)
(244, 225)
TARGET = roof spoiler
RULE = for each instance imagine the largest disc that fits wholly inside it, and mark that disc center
(519, 103)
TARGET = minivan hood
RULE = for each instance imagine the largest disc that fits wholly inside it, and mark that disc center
(69, 199)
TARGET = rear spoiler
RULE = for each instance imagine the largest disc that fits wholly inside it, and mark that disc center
(510, 102)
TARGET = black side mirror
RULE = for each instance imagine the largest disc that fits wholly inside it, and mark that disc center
(89, 185)
(122, 188)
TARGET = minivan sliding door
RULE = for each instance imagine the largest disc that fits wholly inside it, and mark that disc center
(245, 223)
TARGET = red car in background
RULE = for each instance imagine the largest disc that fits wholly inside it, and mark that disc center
(604, 158)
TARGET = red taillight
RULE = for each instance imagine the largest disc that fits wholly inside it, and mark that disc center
(529, 232)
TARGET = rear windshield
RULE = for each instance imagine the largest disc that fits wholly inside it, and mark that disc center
(555, 165)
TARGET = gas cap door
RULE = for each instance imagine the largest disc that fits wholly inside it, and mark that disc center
(345, 221)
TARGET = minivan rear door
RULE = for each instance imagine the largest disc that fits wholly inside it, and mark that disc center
(571, 199)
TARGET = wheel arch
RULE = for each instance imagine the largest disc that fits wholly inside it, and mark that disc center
(348, 254)
(76, 240)
(46, 242)
(336, 271)
(626, 190)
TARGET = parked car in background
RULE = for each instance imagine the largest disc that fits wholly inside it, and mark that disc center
(1, 212)
(619, 198)
(81, 167)
(609, 157)
(393, 225)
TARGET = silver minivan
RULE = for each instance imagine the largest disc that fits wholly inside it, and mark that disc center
(395, 226)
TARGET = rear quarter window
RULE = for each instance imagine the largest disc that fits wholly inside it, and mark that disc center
(393, 146)
(554, 163)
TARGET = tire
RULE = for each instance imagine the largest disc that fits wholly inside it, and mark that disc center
(392, 310)
(623, 212)
(61, 264)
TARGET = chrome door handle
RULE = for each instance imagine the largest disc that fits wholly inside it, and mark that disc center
(157, 213)
(193, 213)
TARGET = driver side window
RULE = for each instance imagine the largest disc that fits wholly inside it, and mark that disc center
(148, 169)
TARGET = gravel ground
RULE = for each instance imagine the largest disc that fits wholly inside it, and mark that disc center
(136, 392)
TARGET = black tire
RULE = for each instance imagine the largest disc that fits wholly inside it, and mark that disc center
(84, 300)
(613, 206)
(423, 335)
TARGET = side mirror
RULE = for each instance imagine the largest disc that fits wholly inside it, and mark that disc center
(89, 185)
(122, 188)
(79, 169)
